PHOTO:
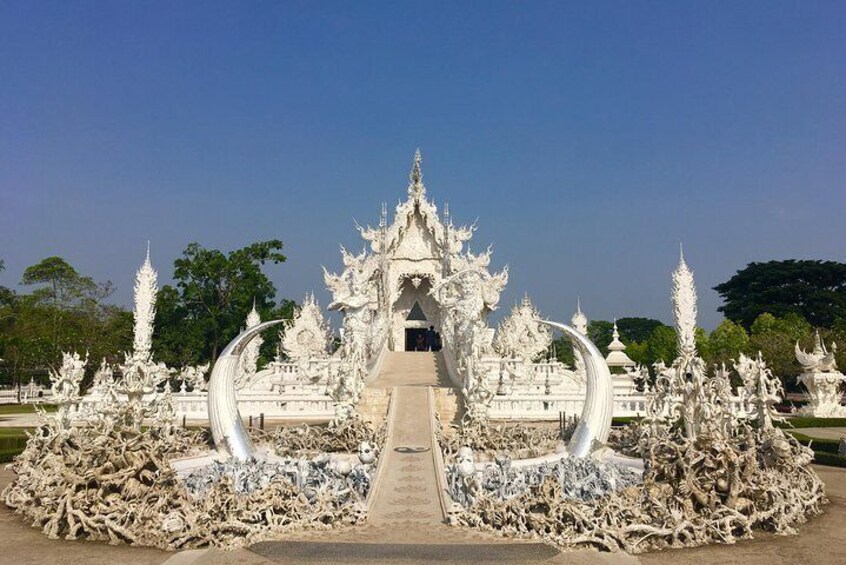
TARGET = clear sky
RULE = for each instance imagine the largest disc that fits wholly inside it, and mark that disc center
(588, 138)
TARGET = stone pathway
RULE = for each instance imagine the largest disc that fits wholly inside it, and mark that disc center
(407, 491)
(411, 368)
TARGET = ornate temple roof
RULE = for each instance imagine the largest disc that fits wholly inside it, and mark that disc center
(447, 237)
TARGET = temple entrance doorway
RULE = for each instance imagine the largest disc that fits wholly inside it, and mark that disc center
(415, 339)
(413, 312)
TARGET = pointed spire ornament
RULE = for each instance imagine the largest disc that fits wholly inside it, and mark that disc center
(684, 307)
(144, 313)
(579, 320)
(250, 356)
(416, 190)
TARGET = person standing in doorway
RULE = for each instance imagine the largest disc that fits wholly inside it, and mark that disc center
(431, 339)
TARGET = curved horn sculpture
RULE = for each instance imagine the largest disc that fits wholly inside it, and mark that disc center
(595, 423)
(228, 431)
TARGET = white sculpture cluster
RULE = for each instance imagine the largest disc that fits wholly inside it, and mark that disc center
(64, 384)
(249, 359)
(684, 391)
(520, 336)
(702, 474)
(139, 377)
(113, 480)
(708, 477)
(144, 313)
(822, 379)
(308, 335)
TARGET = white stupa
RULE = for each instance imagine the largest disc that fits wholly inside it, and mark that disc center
(617, 352)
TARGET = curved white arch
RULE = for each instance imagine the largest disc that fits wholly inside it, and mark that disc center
(595, 424)
(228, 432)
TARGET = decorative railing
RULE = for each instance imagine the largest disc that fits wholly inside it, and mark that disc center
(550, 406)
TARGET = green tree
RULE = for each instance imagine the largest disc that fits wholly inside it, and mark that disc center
(726, 343)
(599, 332)
(775, 338)
(563, 348)
(814, 290)
(213, 293)
(67, 313)
(6, 294)
(636, 329)
(62, 291)
(638, 351)
(662, 345)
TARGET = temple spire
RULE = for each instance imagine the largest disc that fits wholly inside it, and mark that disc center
(684, 307)
(144, 312)
(579, 320)
(416, 190)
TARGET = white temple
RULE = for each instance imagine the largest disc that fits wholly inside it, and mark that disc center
(415, 272)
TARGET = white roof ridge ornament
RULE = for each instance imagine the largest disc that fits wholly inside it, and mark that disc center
(416, 189)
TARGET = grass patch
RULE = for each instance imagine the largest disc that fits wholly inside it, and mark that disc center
(817, 444)
(811, 422)
(825, 450)
(830, 459)
(7, 455)
(12, 443)
(24, 408)
(625, 420)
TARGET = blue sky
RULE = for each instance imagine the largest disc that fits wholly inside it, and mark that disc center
(589, 139)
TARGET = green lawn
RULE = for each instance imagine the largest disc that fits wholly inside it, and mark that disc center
(825, 450)
(12, 443)
(809, 422)
(24, 408)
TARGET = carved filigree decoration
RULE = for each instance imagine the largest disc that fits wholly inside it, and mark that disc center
(820, 360)
(520, 336)
(308, 334)
(144, 313)
(249, 358)
(761, 389)
(64, 385)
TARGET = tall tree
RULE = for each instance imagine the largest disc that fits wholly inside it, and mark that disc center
(68, 312)
(63, 291)
(213, 293)
(599, 332)
(775, 339)
(636, 329)
(815, 290)
(662, 345)
(6, 294)
(726, 343)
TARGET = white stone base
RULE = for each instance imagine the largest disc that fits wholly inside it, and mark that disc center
(824, 393)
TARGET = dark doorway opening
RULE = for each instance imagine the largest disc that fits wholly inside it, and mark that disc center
(415, 339)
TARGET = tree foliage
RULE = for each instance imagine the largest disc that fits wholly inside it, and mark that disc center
(726, 343)
(775, 338)
(213, 293)
(814, 290)
(636, 329)
(66, 311)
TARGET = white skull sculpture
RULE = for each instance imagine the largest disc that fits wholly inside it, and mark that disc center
(464, 462)
(366, 453)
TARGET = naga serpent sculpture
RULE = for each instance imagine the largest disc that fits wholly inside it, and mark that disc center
(595, 423)
(230, 436)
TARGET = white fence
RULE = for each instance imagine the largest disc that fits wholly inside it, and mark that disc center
(30, 394)
(548, 407)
